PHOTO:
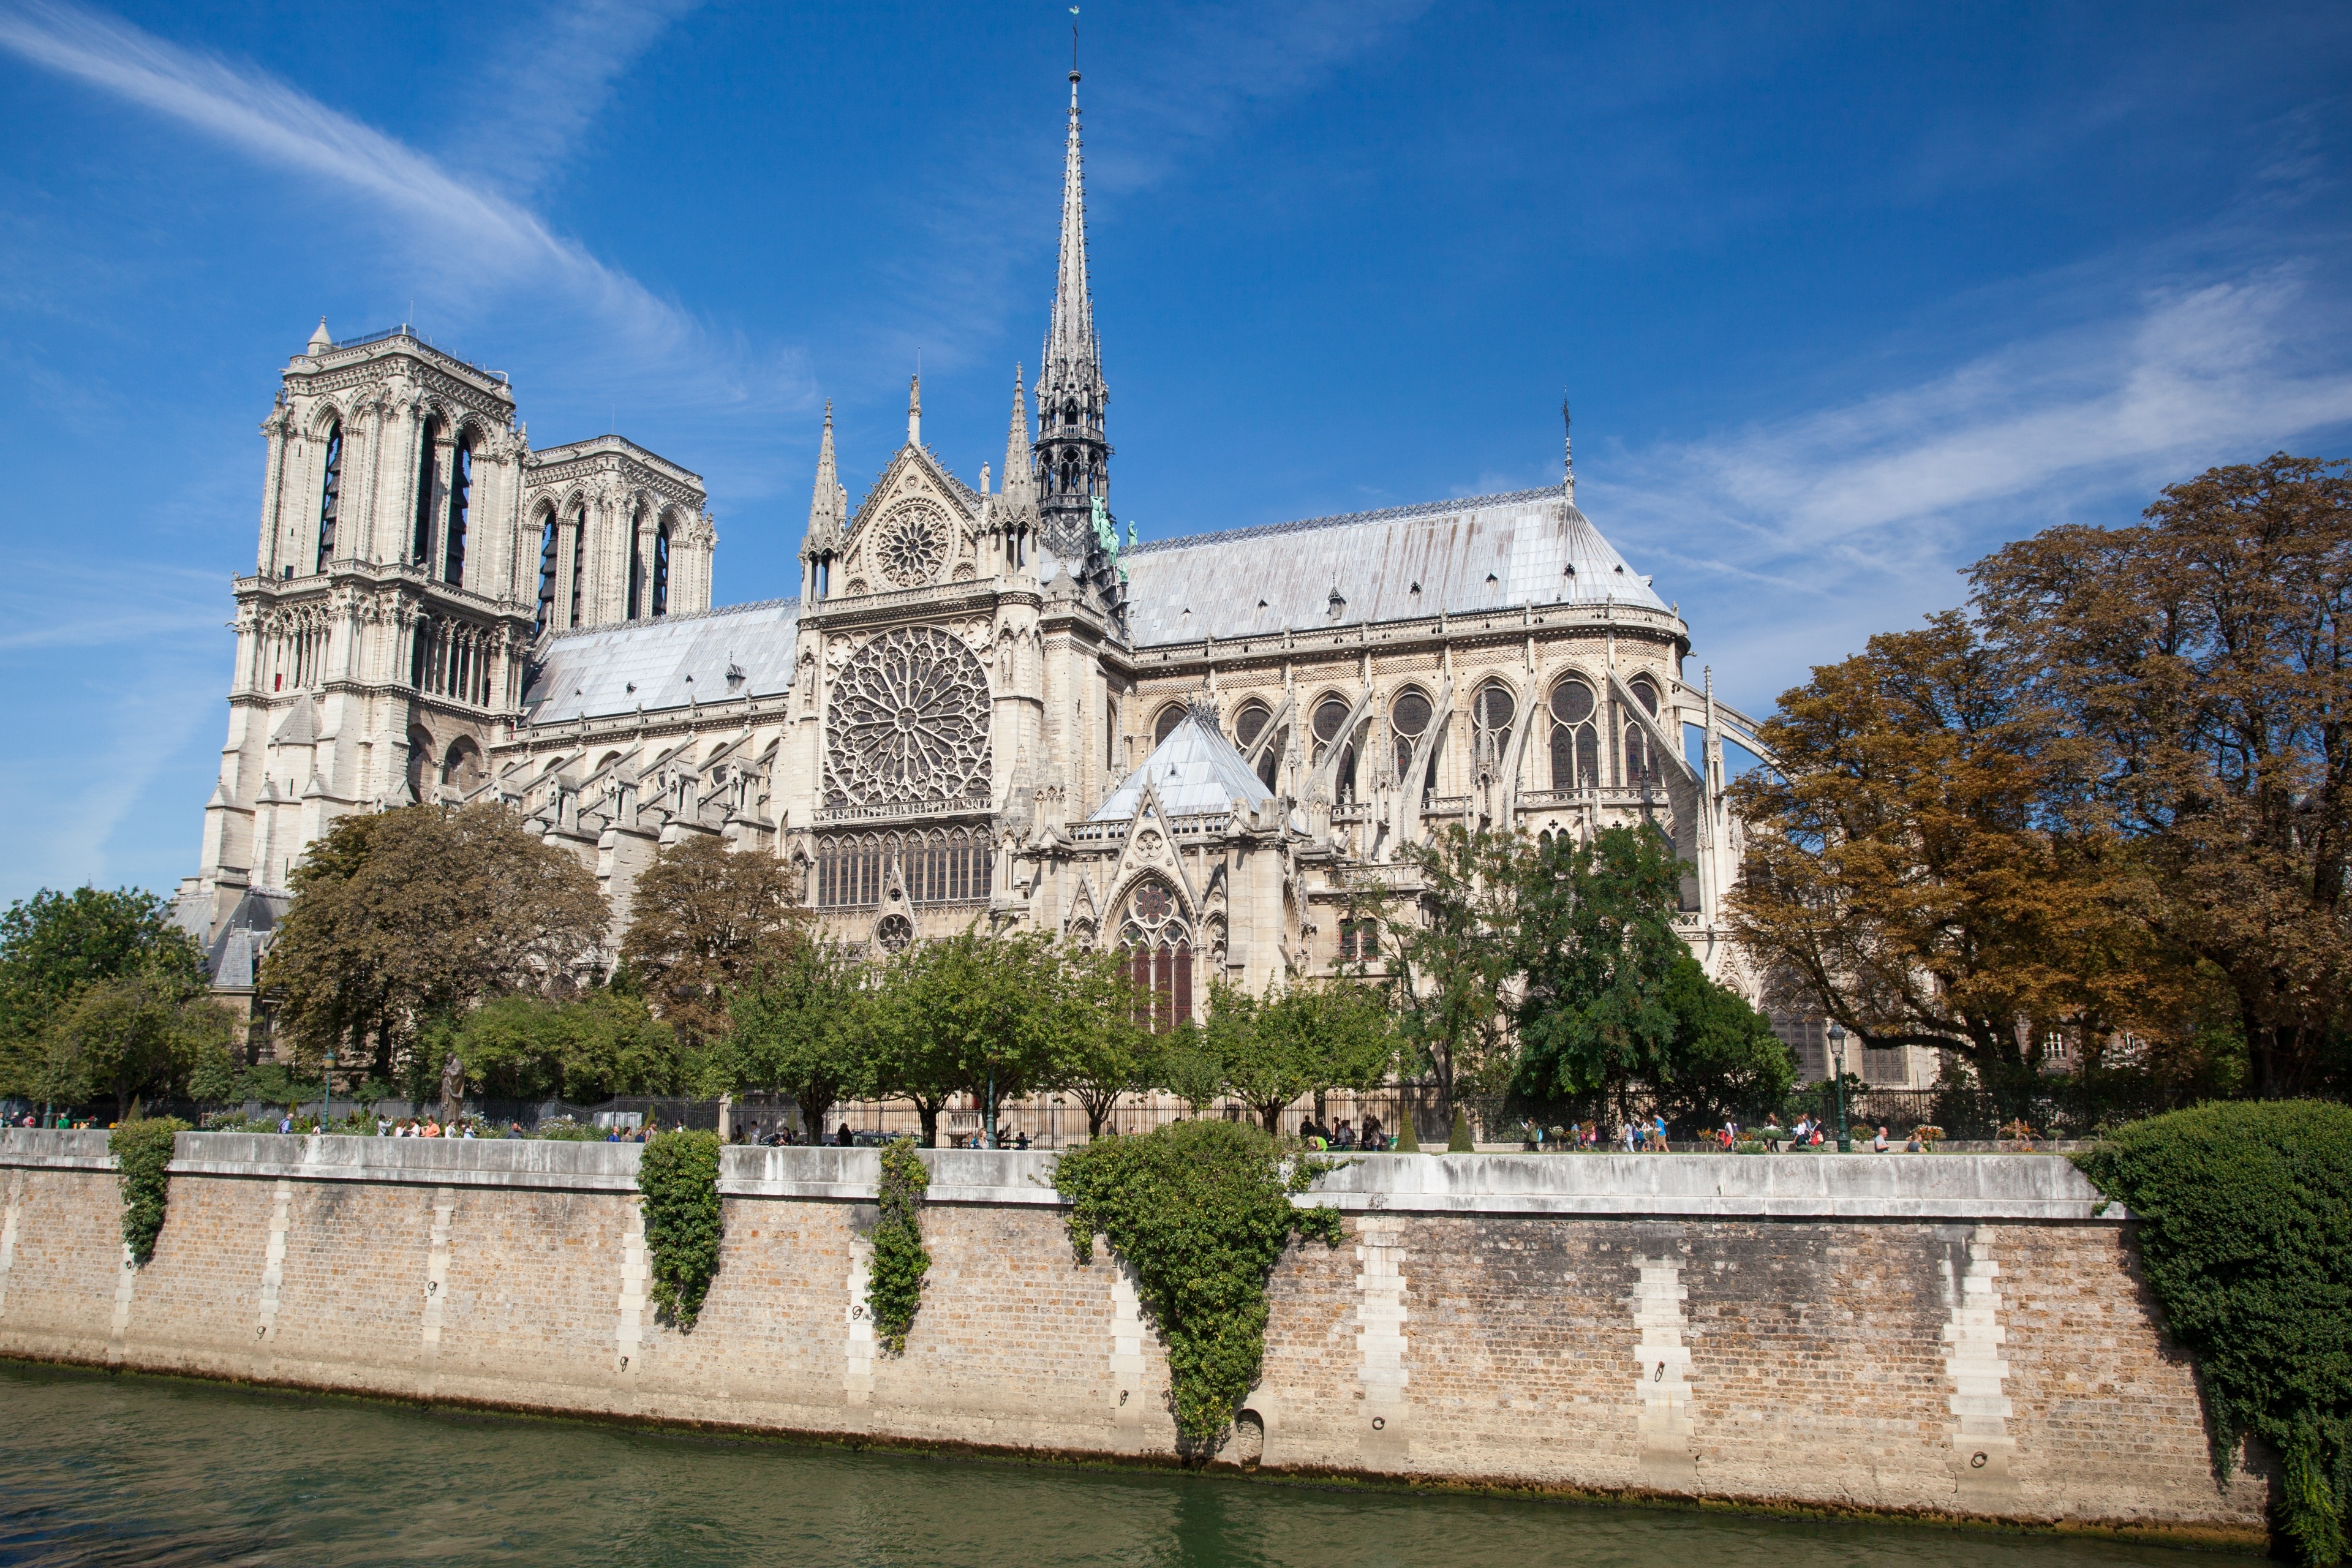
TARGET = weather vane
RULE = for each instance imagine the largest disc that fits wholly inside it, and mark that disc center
(1073, 42)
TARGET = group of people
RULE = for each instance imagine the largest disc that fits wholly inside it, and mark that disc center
(1368, 1138)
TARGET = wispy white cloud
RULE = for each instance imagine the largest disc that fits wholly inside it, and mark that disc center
(465, 241)
(1856, 517)
(548, 81)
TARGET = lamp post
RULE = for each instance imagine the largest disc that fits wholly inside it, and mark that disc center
(326, 1088)
(1837, 1047)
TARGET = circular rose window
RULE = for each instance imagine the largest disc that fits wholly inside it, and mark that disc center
(907, 723)
(912, 542)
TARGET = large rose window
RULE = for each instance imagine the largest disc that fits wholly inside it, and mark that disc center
(911, 544)
(907, 725)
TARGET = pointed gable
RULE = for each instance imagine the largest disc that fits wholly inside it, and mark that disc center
(1195, 770)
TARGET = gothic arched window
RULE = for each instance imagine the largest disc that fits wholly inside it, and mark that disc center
(1329, 715)
(547, 540)
(1640, 755)
(1491, 712)
(1575, 746)
(1070, 412)
(461, 496)
(1409, 718)
(331, 494)
(1069, 473)
(420, 548)
(579, 561)
(636, 564)
(1160, 956)
(661, 568)
(1249, 723)
(1165, 724)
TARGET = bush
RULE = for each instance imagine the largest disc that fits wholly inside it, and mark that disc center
(894, 1287)
(678, 1175)
(142, 1151)
(1459, 1141)
(2245, 1221)
(1201, 1211)
(568, 1132)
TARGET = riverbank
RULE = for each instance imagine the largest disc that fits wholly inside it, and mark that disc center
(1949, 1337)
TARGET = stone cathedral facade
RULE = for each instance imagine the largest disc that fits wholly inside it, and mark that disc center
(982, 704)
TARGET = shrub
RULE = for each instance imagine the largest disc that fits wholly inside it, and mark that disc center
(678, 1175)
(894, 1287)
(1459, 1141)
(142, 1152)
(1201, 1212)
(2245, 1221)
(568, 1132)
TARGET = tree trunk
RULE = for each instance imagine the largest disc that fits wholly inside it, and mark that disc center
(1098, 1112)
(1272, 1116)
(929, 1109)
(812, 1105)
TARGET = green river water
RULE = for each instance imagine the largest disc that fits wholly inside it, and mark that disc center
(99, 1469)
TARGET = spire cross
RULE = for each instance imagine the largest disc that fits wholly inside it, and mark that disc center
(1568, 446)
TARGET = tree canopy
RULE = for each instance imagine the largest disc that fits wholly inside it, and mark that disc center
(703, 921)
(805, 1027)
(101, 994)
(1306, 1038)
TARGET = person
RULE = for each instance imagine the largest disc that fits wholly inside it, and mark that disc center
(1344, 1136)
(468, 1133)
(514, 1130)
(1658, 1125)
(1878, 1145)
(842, 1138)
(1021, 1139)
(285, 1122)
(1370, 1136)
(1915, 1146)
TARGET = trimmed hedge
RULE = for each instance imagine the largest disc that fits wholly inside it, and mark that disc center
(678, 1175)
(894, 1287)
(142, 1152)
(1201, 1211)
(2245, 1235)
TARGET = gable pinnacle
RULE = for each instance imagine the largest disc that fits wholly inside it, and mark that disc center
(824, 503)
(915, 410)
(1016, 448)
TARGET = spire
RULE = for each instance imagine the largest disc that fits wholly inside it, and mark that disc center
(1016, 446)
(915, 410)
(1568, 446)
(1070, 339)
(1071, 456)
(319, 342)
(824, 503)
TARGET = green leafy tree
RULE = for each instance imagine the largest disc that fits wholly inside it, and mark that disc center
(704, 920)
(969, 1014)
(1598, 944)
(142, 1034)
(1723, 1061)
(403, 916)
(806, 1027)
(1312, 1037)
(1183, 1065)
(53, 946)
(1455, 960)
(1101, 1049)
(583, 1050)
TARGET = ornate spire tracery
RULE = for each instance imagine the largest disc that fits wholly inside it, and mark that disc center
(1070, 458)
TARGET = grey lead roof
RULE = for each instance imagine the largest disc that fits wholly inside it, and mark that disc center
(1194, 771)
(666, 662)
(1480, 554)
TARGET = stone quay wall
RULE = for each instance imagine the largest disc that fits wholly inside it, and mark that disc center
(1944, 1335)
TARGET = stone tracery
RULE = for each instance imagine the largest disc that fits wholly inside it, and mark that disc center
(907, 725)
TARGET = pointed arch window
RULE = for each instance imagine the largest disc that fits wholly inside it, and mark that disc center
(579, 561)
(331, 495)
(1249, 723)
(1329, 715)
(1408, 720)
(1159, 956)
(461, 495)
(1491, 714)
(420, 548)
(1165, 724)
(636, 563)
(661, 568)
(547, 557)
(1640, 755)
(1575, 744)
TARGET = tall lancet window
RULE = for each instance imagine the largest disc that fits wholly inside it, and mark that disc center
(636, 564)
(420, 548)
(461, 495)
(547, 555)
(579, 561)
(331, 495)
(661, 569)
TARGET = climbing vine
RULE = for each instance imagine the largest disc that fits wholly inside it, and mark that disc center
(1201, 1212)
(894, 1288)
(142, 1152)
(678, 1174)
(2245, 1221)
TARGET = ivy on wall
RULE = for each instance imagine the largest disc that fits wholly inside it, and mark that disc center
(1201, 1212)
(2245, 1227)
(142, 1152)
(678, 1174)
(894, 1287)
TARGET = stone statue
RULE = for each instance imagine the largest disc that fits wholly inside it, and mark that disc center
(453, 1088)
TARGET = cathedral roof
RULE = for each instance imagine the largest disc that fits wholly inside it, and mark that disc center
(1485, 552)
(743, 650)
(1195, 770)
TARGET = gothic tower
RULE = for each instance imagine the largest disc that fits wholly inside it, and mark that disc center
(1071, 461)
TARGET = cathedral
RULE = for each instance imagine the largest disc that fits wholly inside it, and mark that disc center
(982, 704)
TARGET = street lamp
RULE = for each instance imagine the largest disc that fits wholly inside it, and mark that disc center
(326, 1089)
(1837, 1049)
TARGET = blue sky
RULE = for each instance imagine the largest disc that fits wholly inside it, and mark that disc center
(1845, 296)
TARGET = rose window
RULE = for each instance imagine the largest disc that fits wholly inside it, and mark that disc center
(911, 544)
(907, 723)
(896, 933)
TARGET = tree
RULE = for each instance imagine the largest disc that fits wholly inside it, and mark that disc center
(583, 1050)
(967, 1014)
(54, 945)
(135, 1035)
(1723, 1061)
(1597, 943)
(404, 915)
(1101, 1050)
(1312, 1037)
(2206, 659)
(805, 1027)
(703, 919)
(1914, 869)
(1182, 1065)
(1453, 968)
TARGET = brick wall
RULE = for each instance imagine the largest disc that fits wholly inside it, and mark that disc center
(1921, 1337)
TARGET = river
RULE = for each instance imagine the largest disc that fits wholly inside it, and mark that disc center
(128, 1469)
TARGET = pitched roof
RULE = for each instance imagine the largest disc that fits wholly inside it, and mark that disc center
(604, 671)
(1455, 556)
(1195, 770)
